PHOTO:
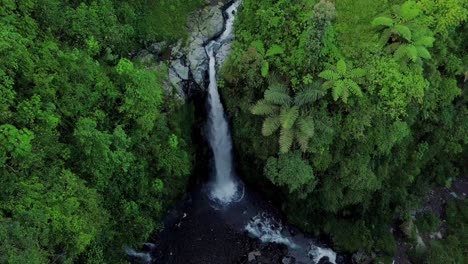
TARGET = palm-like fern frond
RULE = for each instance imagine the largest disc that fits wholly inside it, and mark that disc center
(309, 94)
(277, 93)
(329, 75)
(356, 73)
(403, 31)
(306, 126)
(382, 21)
(270, 125)
(288, 117)
(286, 140)
(263, 108)
(354, 88)
(425, 41)
(341, 67)
(338, 89)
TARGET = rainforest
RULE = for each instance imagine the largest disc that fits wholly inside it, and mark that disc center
(245, 131)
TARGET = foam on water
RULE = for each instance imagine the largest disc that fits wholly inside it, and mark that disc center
(268, 230)
(317, 253)
(140, 256)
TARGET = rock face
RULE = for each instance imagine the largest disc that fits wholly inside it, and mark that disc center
(187, 60)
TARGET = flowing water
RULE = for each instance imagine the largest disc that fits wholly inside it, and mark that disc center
(224, 222)
(225, 188)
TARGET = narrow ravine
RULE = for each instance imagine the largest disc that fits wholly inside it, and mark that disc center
(224, 221)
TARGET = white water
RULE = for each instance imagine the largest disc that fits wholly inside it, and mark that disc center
(268, 231)
(318, 253)
(142, 257)
(225, 188)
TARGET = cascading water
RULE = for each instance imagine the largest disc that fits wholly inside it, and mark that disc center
(225, 188)
(196, 232)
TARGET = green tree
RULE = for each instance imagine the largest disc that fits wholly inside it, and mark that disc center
(343, 81)
(292, 172)
(288, 114)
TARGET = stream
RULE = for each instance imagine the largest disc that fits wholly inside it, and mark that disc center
(223, 221)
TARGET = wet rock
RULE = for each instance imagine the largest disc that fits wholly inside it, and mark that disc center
(288, 260)
(252, 256)
(207, 23)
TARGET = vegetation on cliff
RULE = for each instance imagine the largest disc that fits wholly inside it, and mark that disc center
(383, 119)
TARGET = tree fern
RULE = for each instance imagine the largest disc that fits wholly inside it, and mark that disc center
(309, 94)
(342, 81)
(286, 140)
(288, 117)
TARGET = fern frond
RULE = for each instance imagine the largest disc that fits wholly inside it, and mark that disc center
(278, 94)
(356, 73)
(306, 126)
(425, 41)
(354, 88)
(386, 34)
(265, 68)
(345, 95)
(403, 31)
(382, 21)
(423, 52)
(329, 75)
(270, 125)
(263, 108)
(338, 89)
(274, 50)
(341, 67)
(400, 53)
(309, 94)
(412, 53)
(303, 141)
(285, 140)
(288, 117)
(258, 45)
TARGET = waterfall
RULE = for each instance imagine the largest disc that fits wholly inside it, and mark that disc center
(225, 188)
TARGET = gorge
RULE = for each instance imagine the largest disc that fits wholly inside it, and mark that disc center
(224, 221)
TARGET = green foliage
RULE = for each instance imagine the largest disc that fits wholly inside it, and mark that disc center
(291, 172)
(91, 151)
(288, 114)
(343, 81)
(400, 130)
(428, 223)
